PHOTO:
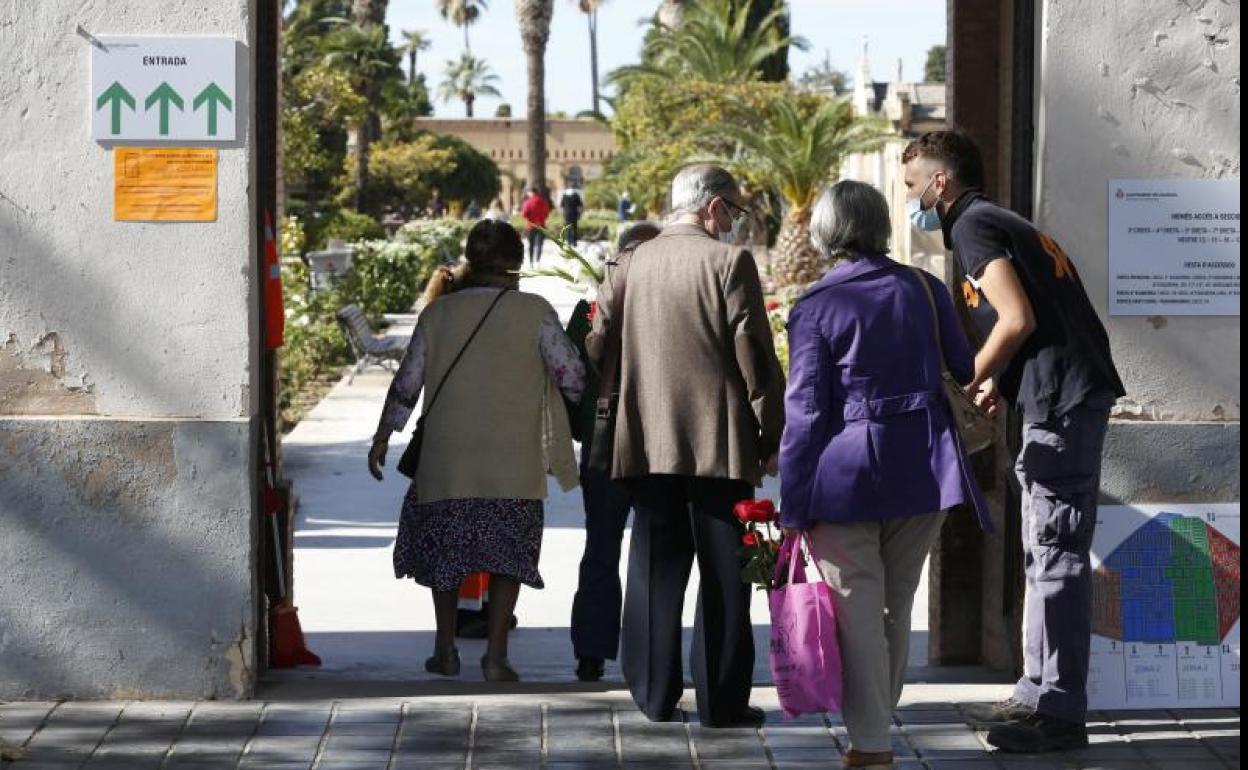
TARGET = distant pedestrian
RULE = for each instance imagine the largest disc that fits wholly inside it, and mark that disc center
(437, 206)
(489, 438)
(699, 417)
(870, 461)
(536, 211)
(1048, 353)
(474, 210)
(625, 207)
(599, 597)
(573, 206)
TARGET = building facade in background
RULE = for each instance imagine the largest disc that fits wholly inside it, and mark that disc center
(577, 151)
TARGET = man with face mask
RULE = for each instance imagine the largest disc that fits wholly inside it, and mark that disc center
(1046, 351)
(700, 416)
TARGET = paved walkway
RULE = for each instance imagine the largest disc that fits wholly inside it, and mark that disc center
(586, 732)
(366, 625)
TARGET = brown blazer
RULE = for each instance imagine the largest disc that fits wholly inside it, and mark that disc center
(701, 389)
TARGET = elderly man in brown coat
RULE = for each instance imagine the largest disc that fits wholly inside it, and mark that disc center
(700, 416)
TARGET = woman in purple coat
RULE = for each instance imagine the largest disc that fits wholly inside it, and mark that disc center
(871, 461)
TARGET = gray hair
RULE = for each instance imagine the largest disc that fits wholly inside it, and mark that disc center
(696, 186)
(851, 219)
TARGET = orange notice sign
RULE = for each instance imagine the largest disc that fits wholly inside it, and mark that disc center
(167, 184)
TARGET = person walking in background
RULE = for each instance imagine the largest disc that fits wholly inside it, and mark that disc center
(573, 206)
(625, 209)
(476, 502)
(536, 211)
(599, 597)
(1046, 351)
(700, 413)
(474, 210)
(437, 206)
(870, 460)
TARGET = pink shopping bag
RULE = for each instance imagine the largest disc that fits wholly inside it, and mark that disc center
(805, 653)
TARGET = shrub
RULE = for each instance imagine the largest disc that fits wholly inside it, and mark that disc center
(350, 226)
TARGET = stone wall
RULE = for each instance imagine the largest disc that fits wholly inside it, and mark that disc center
(126, 388)
(1140, 89)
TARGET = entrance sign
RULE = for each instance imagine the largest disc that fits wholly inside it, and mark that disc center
(174, 89)
(1165, 607)
(1174, 247)
(165, 184)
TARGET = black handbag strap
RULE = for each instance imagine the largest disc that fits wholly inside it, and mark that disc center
(614, 342)
(437, 392)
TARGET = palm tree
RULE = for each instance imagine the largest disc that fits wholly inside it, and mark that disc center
(467, 79)
(364, 53)
(590, 9)
(415, 41)
(365, 12)
(714, 41)
(534, 17)
(463, 13)
(797, 153)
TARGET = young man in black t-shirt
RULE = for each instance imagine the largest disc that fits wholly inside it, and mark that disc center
(1046, 351)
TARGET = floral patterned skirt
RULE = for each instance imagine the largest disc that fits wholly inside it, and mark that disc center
(441, 543)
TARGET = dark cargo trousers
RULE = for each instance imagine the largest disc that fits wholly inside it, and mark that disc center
(1060, 472)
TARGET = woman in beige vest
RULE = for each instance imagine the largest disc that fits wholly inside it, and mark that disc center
(489, 440)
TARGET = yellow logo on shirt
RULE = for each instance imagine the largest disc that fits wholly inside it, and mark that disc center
(1062, 266)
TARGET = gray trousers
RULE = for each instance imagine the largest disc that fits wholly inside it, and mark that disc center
(874, 567)
(1060, 472)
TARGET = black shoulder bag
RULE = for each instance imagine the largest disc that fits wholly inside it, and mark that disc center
(410, 461)
(603, 444)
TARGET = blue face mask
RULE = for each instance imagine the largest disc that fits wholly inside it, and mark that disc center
(927, 220)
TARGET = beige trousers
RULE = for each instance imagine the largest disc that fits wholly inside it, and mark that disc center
(874, 568)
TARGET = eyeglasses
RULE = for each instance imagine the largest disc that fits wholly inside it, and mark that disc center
(739, 212)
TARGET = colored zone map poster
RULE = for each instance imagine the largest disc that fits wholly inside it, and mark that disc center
(1165, 607)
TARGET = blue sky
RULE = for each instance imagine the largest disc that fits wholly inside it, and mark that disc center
(902, 29)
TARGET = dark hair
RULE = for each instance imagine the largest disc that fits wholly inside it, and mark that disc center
(637, 234)
(494, 253)
(953, 149)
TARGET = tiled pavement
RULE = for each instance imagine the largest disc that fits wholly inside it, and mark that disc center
(567, 732)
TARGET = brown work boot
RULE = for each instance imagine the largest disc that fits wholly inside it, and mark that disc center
(879, 760)
(1008, 710)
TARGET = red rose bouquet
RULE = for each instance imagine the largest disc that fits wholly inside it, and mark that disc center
(761, 542)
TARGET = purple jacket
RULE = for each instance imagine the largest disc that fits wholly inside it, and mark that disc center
(869, 435)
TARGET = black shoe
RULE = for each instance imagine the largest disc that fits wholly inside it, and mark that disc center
(1007, 710)
(590, 669)
(1037, 734)
(751, 717)
(444, 662)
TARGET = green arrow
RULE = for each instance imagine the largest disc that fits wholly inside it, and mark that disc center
(118, 96)
(163, 94)
(213, 95)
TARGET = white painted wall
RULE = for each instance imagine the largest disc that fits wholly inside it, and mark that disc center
(154, 319)
(1142, 89)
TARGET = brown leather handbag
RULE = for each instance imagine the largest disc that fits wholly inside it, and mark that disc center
(977, 430)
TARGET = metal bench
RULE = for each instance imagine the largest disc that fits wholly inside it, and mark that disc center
(367, 347)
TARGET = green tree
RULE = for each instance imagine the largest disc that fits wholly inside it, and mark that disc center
(534, 18)
(466, 79)
(415, 42)
(404, 173)
(503, 111)
(776, 67)
(796, 152)
(935, 68)
(463, 13)
(365, 55)
(473, 176)
(316, 104)
(716, 42)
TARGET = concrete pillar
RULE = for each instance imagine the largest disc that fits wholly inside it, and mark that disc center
(128, 388)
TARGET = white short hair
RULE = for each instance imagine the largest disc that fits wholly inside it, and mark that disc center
(851, 219)
(696, 186)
